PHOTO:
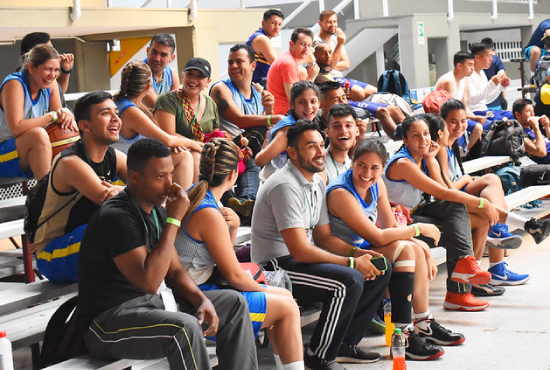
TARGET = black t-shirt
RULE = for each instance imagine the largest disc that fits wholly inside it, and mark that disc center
(118, 227)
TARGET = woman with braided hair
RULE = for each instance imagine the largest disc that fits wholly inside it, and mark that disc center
(187, 112)
(205, 247)
(137, 122)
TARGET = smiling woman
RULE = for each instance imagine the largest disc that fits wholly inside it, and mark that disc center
(29, 100)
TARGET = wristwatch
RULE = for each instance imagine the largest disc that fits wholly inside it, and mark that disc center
(54, 116)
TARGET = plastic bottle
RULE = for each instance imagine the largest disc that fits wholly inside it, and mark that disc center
(6, 356)
(398, 350)
(387, 320)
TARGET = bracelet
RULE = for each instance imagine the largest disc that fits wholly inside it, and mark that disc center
(268, 120)
(481, 202)
(67, 72)
(352, 251)
(173, 221)
(416, 230)
(351, 263)
(54, 116)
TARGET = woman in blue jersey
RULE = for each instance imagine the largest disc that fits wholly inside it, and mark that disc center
(358, 202)
(29, 100)
(408, 183)
(206, 241)
(137, 122)
(304, 104)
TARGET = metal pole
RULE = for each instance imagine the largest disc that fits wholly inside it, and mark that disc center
(531, 12)
(385, 11)
(495, 11)
(450, 11)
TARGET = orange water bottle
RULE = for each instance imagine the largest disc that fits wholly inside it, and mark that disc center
(387, 320)
(398, 350)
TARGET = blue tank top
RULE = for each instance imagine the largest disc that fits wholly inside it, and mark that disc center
(123, 143)
(194, 254)
(262, 65)
(252, 106)
(337, 226)
(165, 84)
(31, 108)
(401, 192)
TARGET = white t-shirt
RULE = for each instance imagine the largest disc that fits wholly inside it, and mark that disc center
(333, 42)
(481, 91)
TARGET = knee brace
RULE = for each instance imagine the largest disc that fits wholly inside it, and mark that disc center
(404, 263)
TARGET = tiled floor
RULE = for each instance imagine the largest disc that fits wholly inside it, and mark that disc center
(512, 334)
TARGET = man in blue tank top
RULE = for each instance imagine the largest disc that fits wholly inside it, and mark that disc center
(260, 41)
(160, 53)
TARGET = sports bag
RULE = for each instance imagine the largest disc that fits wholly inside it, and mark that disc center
(393, 81)
(504, 137)
(534, 174)
(509, 177)
(433, 101)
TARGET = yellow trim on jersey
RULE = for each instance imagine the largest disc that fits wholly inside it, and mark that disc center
(60, 253)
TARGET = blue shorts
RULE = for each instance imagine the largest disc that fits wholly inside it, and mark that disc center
(368, 106)
(59, 260)
(257, 306)
(471, 125)
(9, 161)
(496, 115)
(527, 52)
(342, 81)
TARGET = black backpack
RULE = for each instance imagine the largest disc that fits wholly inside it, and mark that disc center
(62, 339)
(504, 137)
(34, 205)
(393, 81)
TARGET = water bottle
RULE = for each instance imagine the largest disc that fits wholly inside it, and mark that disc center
(387, 320)
(398, 350)
(6, 357)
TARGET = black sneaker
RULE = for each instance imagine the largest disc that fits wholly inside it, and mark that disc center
(315, 363)
(487, 290)
(431, 331)
(539, 229)
(354, 354)
(416, 348)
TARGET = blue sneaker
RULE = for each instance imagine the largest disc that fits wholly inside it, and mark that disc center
(499, 237)
(500, 275)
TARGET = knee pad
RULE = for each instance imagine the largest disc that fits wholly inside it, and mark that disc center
(401, 289)
(404, 263)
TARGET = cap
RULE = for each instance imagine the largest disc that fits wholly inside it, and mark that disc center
(200, 65)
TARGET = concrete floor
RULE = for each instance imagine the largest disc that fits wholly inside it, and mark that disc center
(512, 334)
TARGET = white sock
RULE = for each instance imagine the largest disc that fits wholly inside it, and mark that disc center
(421, 315)
(491, 264)
(515, 221)
(278, 363)
(297, 365)
(479, 262)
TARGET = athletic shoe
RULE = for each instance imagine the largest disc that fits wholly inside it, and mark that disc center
(464, 302)
(500, 275)
(242, 208)
(431, 331)
(500, 237)
(539, 229)
(352, 353)
(487, 290)
(467, 271)
(417, 349)
(315, 363)
(377, 326)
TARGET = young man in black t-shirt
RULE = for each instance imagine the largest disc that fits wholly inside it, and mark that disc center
(127, 253)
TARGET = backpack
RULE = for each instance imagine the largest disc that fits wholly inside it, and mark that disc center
(62, 339)
(541, 73)
(393, 81)
(504, 137)
(433, 101)
(509, 176)
(534, 174)
(34, 205)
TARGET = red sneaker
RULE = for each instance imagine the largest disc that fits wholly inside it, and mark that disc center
(467, 271)
(464, 302)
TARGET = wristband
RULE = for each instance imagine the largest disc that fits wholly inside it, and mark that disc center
(351, 263)
(54, 115)
(352, 251)
(268, 121)
(173, 221)
(416, 230)
(481, 202)
(67, 72)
